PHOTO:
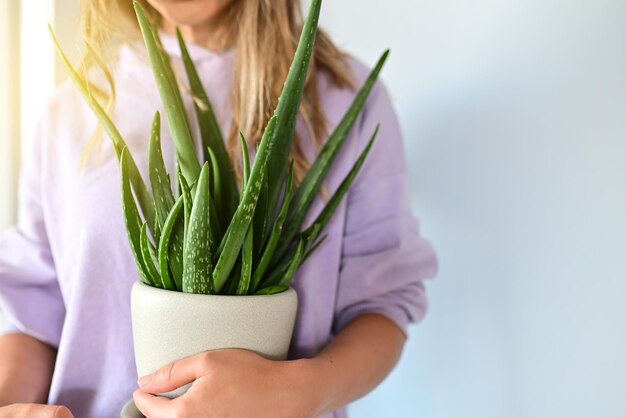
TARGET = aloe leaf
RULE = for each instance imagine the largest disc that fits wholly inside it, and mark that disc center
(282, 266)
(132, 219)
(218, 214)
(232, 284)
(246, 264)
(238, 227)
(275, 234)
(261, 221)
(172, 100)
(177, 239)
(177, 191)
(307, 238)
(293, 266)
(282, 273)
(214, 222)
(139, 187)
(187, 202)
(246, 157)
(175, 253)
(212, 139)
(106, 122)
(159, 179)
(326, 213)
(215, 173)
(271, 290)
(246, 253)
(312, 249)
(277, 137)
(289, 105)
(314, 177)
(311, 234)
(276, 274)
(216, 231)
(222, 213)
(148, 261)
(197, 252)
(164, 243)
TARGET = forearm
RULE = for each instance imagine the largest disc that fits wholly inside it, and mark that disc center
(356, 361)
(26, 366)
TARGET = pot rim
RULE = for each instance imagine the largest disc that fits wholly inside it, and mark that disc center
(175, 293)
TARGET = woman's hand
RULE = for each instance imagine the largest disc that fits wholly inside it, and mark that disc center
(233, 383)
(241, 384)
(23, 410)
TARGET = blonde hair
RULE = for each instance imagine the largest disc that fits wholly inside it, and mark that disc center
(264, 34)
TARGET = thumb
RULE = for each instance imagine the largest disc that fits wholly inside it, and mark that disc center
(61, 412)
(173, 375)
(35, 411)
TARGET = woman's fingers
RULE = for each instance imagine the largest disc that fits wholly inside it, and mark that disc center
(62, 412)
(154, 406)
(35, 411)
(175, 375)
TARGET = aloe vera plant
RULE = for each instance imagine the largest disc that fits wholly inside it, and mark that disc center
(210, 238)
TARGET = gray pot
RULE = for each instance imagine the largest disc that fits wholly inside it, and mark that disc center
(169, 326)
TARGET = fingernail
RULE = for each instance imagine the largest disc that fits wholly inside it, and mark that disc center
(144, 381)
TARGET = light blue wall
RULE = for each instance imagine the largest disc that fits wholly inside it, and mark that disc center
(514, 113)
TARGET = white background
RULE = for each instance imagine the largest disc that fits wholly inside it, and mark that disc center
(514, 113)
(515, 120)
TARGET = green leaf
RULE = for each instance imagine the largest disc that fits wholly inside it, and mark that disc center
(246, 253)
(177, 190)
(132, 220)
(271, 290)
(322, 219)
(232, 284)
(215, 173)
(288, 107)
(277, 137)
(188, 203)
(246, 264)
(148, 260)
(159, 179)
(139, 187)
(277, 271)
(312, 249)
(245, 157)
(223, 214)
(310, 235)
(212, 140)
(177, 242)
(214, 223)
(218, 215)
(164, 243)
(314, 177)
(172, 100)
(260, 222)
(275, 234)
(293, 266)
(309, 247)
(197, 275)
(238, 227)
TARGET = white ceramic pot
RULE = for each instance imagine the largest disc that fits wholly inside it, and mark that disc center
(169, 326)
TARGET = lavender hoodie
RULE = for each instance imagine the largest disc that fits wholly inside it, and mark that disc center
(66, 268)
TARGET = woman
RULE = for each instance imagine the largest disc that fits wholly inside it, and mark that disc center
(66, 269)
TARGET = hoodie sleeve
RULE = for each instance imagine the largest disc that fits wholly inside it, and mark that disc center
(385, 260)
(30, 297)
